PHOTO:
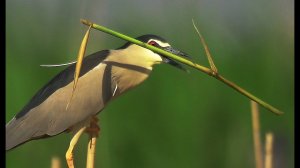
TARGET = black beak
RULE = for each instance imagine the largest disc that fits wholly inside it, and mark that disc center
(172, 62)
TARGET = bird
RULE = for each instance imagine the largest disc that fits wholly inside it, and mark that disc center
(104, 76)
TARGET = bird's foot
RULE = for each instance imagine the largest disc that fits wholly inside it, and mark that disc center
(94, 128)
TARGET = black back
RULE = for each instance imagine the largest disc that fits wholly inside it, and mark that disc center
(62, 79)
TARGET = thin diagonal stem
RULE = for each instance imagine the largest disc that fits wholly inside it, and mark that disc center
(186, 62)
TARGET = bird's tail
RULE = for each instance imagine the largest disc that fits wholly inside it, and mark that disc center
(15, 135)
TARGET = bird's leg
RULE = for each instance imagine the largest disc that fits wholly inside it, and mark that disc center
(93, 131)
(69, 154)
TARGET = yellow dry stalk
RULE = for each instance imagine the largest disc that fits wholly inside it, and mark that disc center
(80, 56)
(256, 135)
(269, 150)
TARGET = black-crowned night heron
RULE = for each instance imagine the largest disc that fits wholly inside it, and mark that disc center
(104, 76)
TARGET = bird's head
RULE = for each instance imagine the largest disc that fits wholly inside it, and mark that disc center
(145, 54)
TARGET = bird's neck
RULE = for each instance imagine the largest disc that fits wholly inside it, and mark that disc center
(138, 56)
(127, 72)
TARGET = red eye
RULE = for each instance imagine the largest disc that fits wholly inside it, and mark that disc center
(152, 43)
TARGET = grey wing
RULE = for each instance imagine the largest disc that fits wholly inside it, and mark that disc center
(46, 114)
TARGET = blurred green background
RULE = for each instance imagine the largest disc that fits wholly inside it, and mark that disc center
(173, 119)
